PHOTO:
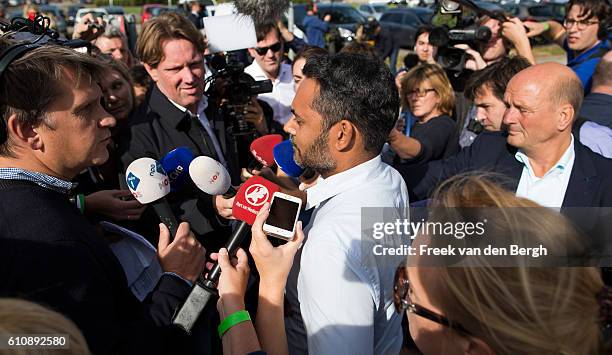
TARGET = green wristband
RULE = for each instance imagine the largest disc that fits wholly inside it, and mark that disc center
(232, 320)
(546, 26)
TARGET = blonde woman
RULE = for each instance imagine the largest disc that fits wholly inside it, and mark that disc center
(504, 310)
(427, 130)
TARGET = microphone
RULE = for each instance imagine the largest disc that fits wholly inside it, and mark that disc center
(283, 156)
(149, 184)
(176, 164)
(262, 10)
(262, 149)
(211, 177)
(250, 197)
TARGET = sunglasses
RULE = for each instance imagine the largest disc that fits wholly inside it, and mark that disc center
(402, 301)
(263, 50)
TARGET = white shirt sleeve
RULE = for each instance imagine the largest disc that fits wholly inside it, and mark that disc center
(336, 302)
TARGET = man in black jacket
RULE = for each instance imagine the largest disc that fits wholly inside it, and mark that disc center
(537, 154)
(49, 252)
(176, 114)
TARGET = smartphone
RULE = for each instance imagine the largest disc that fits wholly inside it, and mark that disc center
(284, 212)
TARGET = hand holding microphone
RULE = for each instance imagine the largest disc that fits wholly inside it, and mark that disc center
(184, 256)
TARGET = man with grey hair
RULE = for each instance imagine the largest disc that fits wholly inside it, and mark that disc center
(594, 125)
(538, 154)
(114, 43)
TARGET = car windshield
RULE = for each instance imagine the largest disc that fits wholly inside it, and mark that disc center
(342, 15)
(379, 8)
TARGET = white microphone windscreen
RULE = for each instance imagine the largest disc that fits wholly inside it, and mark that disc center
(209, 175)
(147, 180)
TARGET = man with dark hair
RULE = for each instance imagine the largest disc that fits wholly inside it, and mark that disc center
(176, 114)
(538, 155)
(582, 35)
(342, 114)
(594, 125)
(268, 65)
(486, 88)
(424, 50)
(49, 252)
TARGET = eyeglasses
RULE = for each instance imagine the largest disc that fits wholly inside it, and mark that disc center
(263, 50)
(420, 92)
(402, 301)
(581, 25)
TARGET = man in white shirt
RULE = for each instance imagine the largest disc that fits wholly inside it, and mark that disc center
(341, 296)
(267, 65)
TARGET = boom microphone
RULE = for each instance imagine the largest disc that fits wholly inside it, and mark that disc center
(149, 184)
(176, 164)
(262, 10)
(211, 177)
(251, 196)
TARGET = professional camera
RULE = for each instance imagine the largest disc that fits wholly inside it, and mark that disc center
(238, 90)
(457, 23)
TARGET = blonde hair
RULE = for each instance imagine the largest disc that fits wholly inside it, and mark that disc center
(24, 317)
(166, 27)
(519, 310)
(439, 82)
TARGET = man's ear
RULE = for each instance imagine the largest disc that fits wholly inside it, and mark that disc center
(344, 135)
(24, 134)
(153, 72)
(565, 117)
(252, 52)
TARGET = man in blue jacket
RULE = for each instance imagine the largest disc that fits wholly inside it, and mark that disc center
(315, 27)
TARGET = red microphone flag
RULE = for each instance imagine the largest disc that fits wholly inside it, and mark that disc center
(251, 197)
(262, 148)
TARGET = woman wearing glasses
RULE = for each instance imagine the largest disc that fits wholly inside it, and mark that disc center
(425, 130)
(511, 310)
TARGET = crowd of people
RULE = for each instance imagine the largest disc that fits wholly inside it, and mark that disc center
(512, 134)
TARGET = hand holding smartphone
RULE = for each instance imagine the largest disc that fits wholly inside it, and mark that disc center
(284, 212)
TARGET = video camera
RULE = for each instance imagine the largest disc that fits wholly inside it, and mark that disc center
(457, 22)
(239, 89)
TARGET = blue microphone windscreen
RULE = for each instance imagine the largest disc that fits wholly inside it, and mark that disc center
(176, 163)
(283, 155)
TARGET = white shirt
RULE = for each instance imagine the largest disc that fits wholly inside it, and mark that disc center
(597, 137)
(283, 90)
(549, 190)
(202, 105)
(346, 294)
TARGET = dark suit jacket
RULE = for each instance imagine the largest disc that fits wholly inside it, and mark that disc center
(155, 129)
(50, 254)
(589, 184)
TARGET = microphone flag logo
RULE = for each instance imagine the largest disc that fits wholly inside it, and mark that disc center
(257, 195)
(132, 181)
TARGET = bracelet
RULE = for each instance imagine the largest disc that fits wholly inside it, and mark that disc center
(546, 25)
(232, 320)
(80, 202)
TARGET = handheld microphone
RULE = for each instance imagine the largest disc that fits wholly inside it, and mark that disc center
(262, 10)
(262, 149)
(283, 156)
(250, 197)
(149, 184)
(176, 164)
(211, 177)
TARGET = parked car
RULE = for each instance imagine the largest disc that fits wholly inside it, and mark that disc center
(147, 12)
(343, 24)
(402, 23)
(531, 11)
(71, 13)
(373, 10)
(57, 16)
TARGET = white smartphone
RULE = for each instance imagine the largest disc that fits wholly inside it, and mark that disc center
(284, 212)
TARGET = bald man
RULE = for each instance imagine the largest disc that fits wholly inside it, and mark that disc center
(536, 152)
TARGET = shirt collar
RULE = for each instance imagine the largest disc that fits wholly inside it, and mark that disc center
(40, 179)
(168, 110)
(572, 58)
(559, 167)
(338, 183)
(282, 72)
